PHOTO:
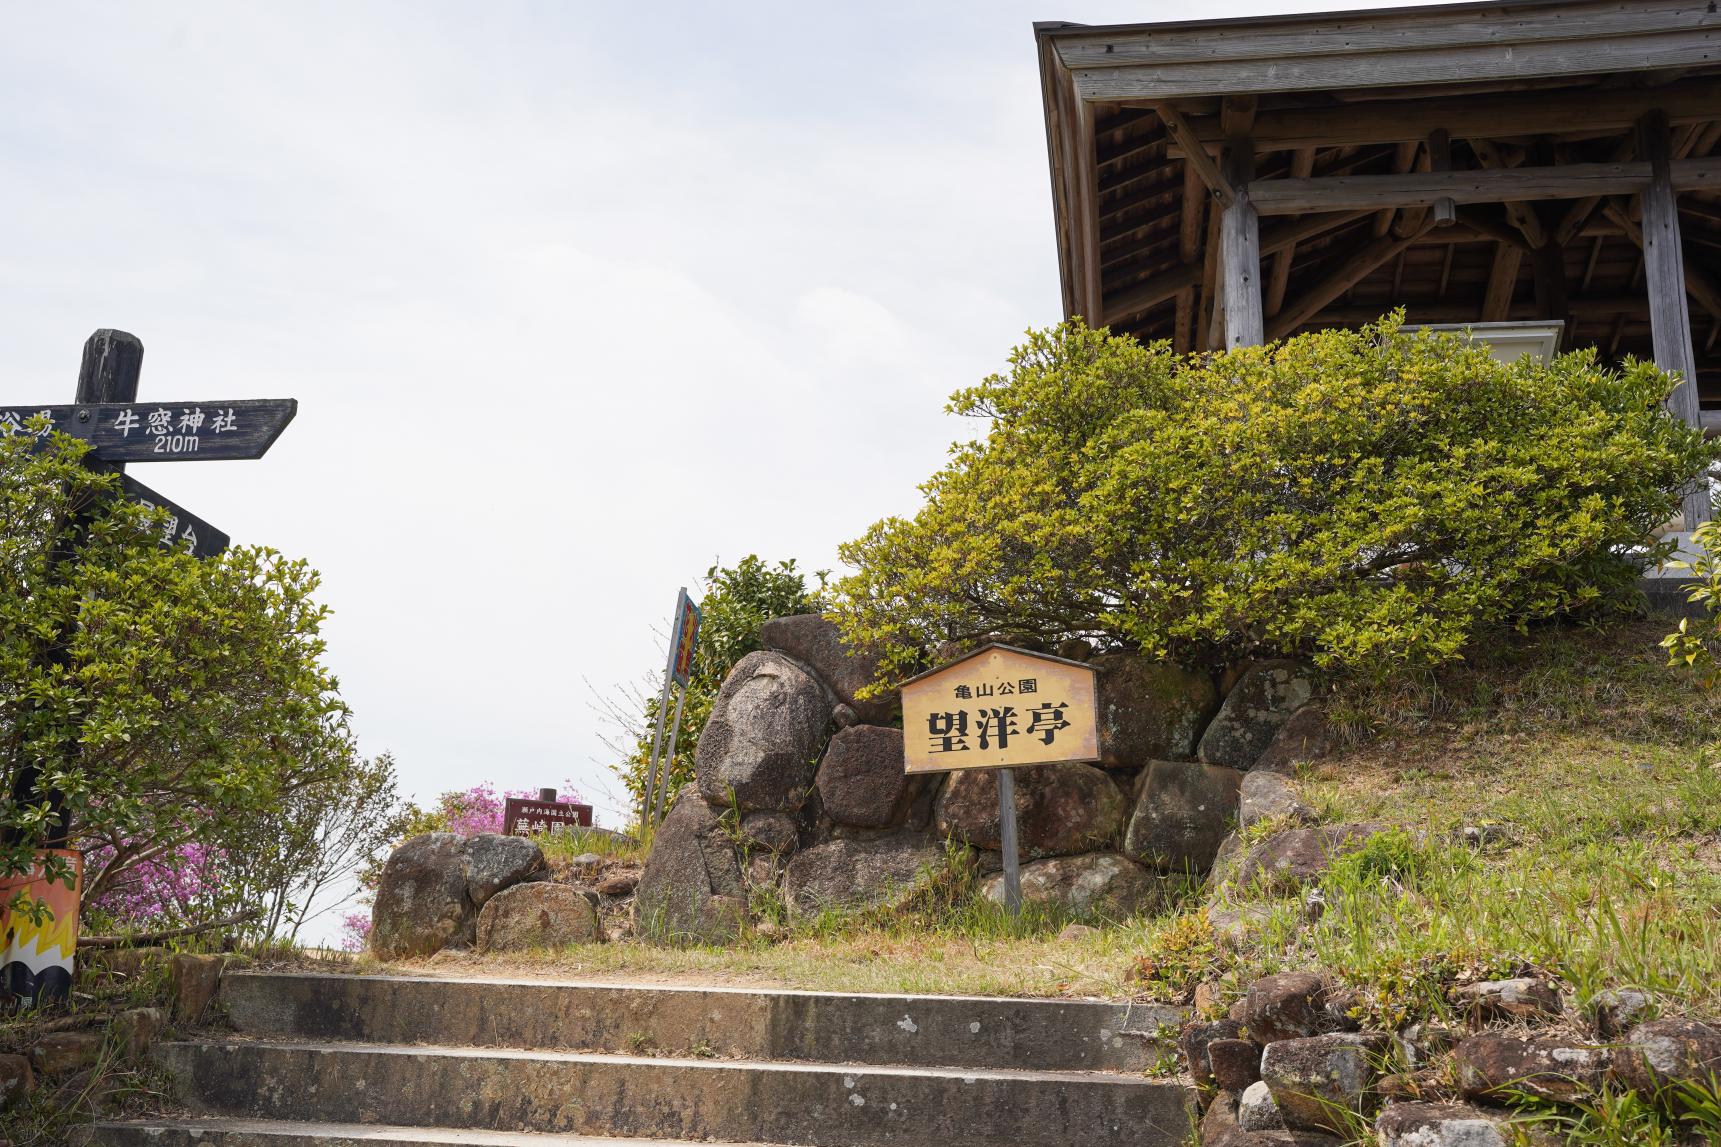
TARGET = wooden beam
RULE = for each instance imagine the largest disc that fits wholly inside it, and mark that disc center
(1351, 269)
(1194, 152)
(1405, 65)
(1342, 35)
(1491, 116)
(1502, 281)
(1087, 215)
(1580, 212)
(1133, 300)
(1521, 184)
(1403, 159)
(1698, 283)
(1237, 115)
(1669, 316)
(1520, 216)
(1302, 166)
(1240, 252)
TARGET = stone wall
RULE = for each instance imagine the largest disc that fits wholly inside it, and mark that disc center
(801, 799)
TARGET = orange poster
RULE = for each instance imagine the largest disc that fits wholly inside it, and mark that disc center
(41, 932)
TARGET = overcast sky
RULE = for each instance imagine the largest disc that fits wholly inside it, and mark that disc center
(576, 299)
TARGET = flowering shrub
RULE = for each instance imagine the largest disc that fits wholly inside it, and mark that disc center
(479, 808)
(172, 889)
(355, 931)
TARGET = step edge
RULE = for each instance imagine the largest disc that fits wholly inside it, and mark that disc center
(621, 1059)
(451, 1135)
(691, 989)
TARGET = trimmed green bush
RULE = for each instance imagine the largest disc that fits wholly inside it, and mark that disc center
(1368, 498)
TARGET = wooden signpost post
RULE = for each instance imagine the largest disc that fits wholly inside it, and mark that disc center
(997, 708)
(105, 413)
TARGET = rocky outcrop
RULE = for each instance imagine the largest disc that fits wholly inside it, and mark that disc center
(861, 780)
(1494, 1064)
(1314, 1080)
(1439, 1125)
(759, 749)
(1060, 809)
(537, 915)
(1300, 855)
(433, 886)
(1668, 1051)
(1094, 885)
(1291, 1005)
(859, 873)
(1182, 813)
(818, 644)
(1270, 796)
(1305, 737)
(691, 890)
(1522, 998)
(1150, 710)
(1257, 707)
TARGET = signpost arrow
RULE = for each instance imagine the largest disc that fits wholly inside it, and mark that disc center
(165, 431)
(184, 527)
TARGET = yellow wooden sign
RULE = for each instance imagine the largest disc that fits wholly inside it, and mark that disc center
(997, 708)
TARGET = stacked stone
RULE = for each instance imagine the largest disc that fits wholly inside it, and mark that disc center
(801, 800)
(1289, 1064)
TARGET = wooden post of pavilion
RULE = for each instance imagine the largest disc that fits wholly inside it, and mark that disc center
(1669, 309)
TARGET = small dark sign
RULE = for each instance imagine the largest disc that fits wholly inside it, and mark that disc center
(165, 431)
(182, 528)
(522, 817)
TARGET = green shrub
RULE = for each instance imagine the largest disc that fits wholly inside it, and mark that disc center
(738, 601)
(1368, 498)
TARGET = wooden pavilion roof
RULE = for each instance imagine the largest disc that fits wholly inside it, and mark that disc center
(1524, 85)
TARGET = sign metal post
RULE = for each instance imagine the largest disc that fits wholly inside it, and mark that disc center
(683, 640)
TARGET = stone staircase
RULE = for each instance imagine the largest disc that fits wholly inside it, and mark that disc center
(332, 1061)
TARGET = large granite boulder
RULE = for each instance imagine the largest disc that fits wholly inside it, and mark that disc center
(1182, 812)
(761, 744)
(818, 644)
(1060, 809)
(1257, 707)
(1150, 710)
(859, 873)
(692, 889)
(494, 862)
(861, 782)
(1097, 885)
(537, 915)
(433, 886)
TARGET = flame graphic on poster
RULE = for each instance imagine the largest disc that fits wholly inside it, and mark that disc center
(36, 963)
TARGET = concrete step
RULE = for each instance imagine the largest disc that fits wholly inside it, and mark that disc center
(939, 1031)
(191, 1132)
(817, 1104)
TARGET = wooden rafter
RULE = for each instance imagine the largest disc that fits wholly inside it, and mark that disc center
(1194, 152)
(1351, 269)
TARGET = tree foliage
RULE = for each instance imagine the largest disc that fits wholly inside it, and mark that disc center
(166, 698)
(1368, 498)
(737, 602)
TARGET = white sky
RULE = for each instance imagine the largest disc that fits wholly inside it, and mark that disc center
(575, 298)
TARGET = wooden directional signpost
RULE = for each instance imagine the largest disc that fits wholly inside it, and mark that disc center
(997, 708)
(106, 414)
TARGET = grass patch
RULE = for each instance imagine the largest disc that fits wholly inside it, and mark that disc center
(1596, 771)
